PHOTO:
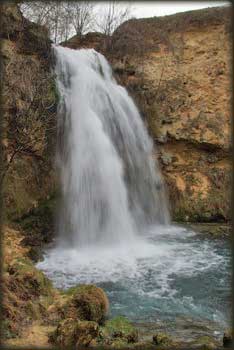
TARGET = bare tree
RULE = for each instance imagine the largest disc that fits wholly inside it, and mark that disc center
(82, 16)
(61, 18)
(44, 13)
(37, 11)
(112, 16)
(30, 110)
(65, 23)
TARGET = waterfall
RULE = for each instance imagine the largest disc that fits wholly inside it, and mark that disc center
(111, 185)
(113, 216)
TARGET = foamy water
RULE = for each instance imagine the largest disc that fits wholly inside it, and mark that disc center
(170, 272)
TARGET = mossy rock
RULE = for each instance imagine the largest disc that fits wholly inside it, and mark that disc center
(39, 219)
(72, 332)
(161, 339)
(32, 281)
(38, 227)
(35, 310)
(7, 331)
(12, 23)
(27, 293)
(118, 331)
(86, 302)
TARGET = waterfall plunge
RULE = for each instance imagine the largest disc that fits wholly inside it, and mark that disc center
(111, 185)
(113, 210)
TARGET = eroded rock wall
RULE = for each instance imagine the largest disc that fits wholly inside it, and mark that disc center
(178, 68)
(29, 113)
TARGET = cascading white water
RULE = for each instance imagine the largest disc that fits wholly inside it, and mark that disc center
(111, 184)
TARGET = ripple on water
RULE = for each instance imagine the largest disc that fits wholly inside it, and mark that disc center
(169, 273)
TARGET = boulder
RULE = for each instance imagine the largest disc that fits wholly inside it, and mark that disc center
(71, 332)
(86, 302)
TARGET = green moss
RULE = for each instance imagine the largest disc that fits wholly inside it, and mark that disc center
(119, 331)
(213, 208)
(70, 291)
(27, 295)
(6, 330)
(16, 194)
(72, 332)
(192, 179)
(38, 226)
(32, 280)
(34, 310)
(119, 324)
(54, 94)
(161, 339)
(86, 302)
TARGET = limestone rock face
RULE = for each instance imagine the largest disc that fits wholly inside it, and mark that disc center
(180, 78)
(178, 70)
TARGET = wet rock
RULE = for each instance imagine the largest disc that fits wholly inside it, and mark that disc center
(212, 229)
(162, 138)
(38, 227)
(227, 339)
(166, 158)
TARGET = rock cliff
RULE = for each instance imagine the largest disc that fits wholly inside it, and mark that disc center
(177, 68)
(29, 113)
(182, 84)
